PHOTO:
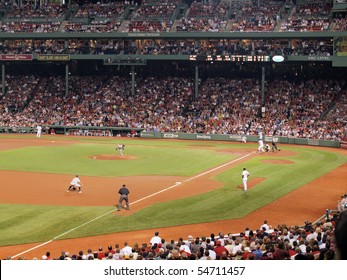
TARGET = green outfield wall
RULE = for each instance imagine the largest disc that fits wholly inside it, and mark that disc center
(238, 138)
(74, 130)
(138, 132)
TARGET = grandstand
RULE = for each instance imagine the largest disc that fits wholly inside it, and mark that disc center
(201, 67)
(115, 38)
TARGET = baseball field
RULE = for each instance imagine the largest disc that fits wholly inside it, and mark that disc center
(176, 187)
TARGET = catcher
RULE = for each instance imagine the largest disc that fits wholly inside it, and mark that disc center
(267, 147)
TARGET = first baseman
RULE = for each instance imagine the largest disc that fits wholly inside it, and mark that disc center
(245, 175)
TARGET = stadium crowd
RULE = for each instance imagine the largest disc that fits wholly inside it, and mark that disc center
(28, 10)
(166, 47)
(308, 17)
(322, 240)
(157, 16)
(307, 108)
(166, 16)
(204, 16)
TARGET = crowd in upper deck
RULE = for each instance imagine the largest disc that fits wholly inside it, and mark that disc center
(158, 16)
(169, 47)
(165, 16)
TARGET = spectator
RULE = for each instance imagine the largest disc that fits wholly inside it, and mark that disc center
(281, 253)
(155, 239)
(220, 250)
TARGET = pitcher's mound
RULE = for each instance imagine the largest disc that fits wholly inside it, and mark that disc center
(112, 157)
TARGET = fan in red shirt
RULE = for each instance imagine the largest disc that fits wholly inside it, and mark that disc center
(219, 249)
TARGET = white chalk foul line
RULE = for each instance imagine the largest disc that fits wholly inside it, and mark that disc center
(66, 232)
(191, 178)
(38, 246)
(139, 200)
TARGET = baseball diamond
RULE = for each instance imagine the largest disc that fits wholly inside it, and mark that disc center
(188, 190)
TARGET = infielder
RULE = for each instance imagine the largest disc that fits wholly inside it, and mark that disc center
(121, 148)
(245, 175)
(75, 183)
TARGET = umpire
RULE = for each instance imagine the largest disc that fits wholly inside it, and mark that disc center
(124, 192)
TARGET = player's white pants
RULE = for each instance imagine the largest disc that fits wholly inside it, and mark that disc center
(261, 145)
(245, 184)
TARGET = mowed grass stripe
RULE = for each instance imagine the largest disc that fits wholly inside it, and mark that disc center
(41, 223)
(75, 159)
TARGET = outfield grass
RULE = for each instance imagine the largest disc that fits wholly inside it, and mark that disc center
(30, 223)
(176, 159)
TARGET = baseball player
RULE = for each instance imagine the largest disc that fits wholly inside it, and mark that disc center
(120, 148)
(261, 143)
(74, 184)
(38, 131)
(245, 175)
(274, 144)
(267, 147)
